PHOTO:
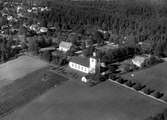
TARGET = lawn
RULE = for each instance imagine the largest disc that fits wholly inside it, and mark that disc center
(25, 89)
(19, 68)
(74, 101)
(154, 77)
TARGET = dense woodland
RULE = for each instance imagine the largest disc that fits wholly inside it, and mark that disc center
(137, 22)
(143, 22)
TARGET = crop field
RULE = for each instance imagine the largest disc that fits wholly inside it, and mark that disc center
(154, 77)
(23, 90)
(74, 101)
(19, 68)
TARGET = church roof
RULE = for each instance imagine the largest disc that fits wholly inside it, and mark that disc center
(81, 60)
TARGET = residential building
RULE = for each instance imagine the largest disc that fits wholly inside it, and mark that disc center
(65, 46)
(107, 47)
(50, 48)
(43, 29)
(139, 60)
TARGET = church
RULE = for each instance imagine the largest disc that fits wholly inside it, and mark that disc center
(83, 64)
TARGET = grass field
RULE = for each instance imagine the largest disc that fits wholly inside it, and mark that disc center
(154, 77)
(23, 90)
(74, 101)
(19, 68)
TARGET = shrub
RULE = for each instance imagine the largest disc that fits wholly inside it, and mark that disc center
(113, 77)
(151, 61)
(130, 83)
(158, 94)
(121, 80)
(148, 91)
(103, 78)
(138, 86)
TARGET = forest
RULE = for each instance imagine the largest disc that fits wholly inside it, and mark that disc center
(137, 22)
(144, 22)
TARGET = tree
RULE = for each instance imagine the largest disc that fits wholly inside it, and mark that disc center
(98, 37)
(158, 94)
(88, 51)
(148, 91)
(46, 55)
(33, 46)
(138, 86)
(83, 45)
(151, 61)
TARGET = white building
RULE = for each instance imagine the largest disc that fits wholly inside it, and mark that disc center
(83, 64)
(139, 60)
(43, 29)
(65, 46)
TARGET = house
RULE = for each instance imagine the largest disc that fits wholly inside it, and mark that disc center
(29, 10)
(107, 47)
(51, 48)
(83, 64)
(139, 60)
(146, 45)
(9, 18)
(43, 29)
(65, 46)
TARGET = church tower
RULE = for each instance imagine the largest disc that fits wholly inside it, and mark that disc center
(93, 63)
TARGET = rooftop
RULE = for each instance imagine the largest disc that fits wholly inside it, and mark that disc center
(107, 47)
(65, 44)
(84, 61)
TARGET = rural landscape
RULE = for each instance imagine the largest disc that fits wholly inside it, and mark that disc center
(83, 60)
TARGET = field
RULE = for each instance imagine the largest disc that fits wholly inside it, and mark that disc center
(25, 89)
(154, 77)
(74, 101)
(21, 80)
(19, 68)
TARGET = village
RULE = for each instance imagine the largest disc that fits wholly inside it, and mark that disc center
(89, 54)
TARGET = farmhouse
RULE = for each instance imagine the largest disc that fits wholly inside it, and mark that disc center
(83, 64)
(65, 46)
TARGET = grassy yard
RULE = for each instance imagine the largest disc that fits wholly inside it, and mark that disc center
(23, 90)
(74, 101)
(154, 77)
